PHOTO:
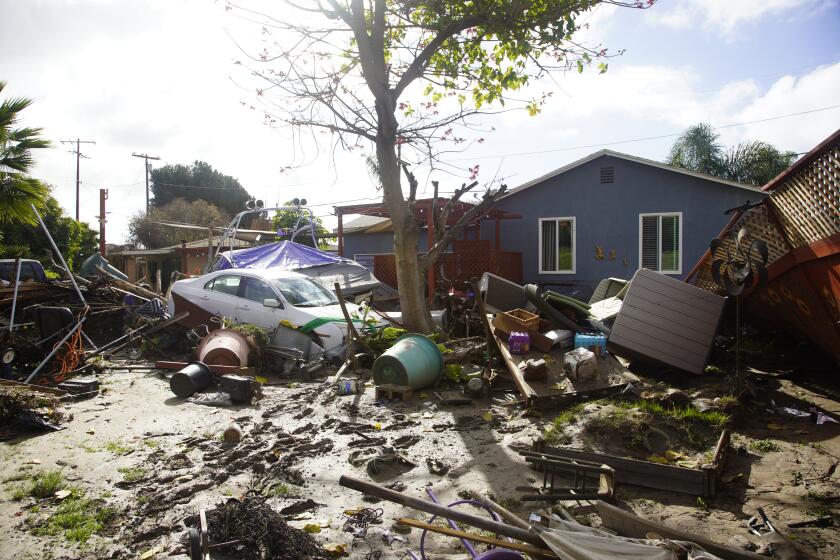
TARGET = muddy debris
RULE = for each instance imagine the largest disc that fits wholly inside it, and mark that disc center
(257, 532)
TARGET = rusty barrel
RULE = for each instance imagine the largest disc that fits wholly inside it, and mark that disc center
(224, 347)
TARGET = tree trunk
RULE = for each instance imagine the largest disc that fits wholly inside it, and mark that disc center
(415, 313)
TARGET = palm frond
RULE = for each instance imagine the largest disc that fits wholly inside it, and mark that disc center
(17, 194)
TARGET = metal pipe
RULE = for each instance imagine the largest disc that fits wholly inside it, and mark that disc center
(60, 256)
(14, 296)
(465, 542)
(435, 509)
(55, 348)
(88, 340)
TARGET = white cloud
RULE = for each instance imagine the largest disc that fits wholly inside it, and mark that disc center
(725, 17)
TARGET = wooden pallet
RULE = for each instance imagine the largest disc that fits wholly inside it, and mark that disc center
(390, 392)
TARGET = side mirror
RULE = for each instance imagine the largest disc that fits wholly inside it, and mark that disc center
(271, 302)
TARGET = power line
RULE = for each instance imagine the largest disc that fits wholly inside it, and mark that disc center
(647, 138)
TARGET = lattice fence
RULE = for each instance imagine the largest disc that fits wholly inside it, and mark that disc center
(803, 209)
(808, 202)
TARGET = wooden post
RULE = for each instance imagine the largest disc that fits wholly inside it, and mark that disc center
(184, 258)
(340, 232)
(209, 250)
(430, 240)
(103, 196)
(494, 260)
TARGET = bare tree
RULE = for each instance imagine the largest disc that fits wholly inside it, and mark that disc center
(351, 68)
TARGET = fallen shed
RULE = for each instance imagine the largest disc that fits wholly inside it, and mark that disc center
(800, 223)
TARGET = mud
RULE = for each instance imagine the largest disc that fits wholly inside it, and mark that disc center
(300, 438)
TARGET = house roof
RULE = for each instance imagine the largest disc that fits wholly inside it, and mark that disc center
(172, 249)
(628, 157)
(424, 207)
(363, 222)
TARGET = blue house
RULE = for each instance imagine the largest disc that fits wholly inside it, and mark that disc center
(609, 214)
(605, 215)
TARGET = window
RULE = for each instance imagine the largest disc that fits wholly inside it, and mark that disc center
(557, 245)
(660, 242)
(303, 292)
(224, 284)
(607, 175)
(257, 290)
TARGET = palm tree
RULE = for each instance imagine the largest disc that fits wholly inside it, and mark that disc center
(697, 149)
(17, 190)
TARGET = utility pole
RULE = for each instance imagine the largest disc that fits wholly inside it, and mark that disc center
(103, 196)
(79, 155)
(148, 168)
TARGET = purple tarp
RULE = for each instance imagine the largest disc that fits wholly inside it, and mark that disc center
(287, 255)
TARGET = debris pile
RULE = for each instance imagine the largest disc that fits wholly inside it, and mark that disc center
(250, 529)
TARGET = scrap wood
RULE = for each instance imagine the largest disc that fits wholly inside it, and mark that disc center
(528, 549)
(214, 368)
(525, 389)
(464, 350)
(31, 387)
(128, 286)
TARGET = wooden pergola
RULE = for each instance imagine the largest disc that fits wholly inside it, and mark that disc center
(424, 210)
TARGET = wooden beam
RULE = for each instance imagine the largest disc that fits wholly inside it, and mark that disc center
(527, 392)
(340, 216)
(528, 549)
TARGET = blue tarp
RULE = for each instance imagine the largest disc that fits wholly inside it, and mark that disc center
(287, 255)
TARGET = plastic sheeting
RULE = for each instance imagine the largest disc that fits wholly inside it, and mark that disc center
(323, 267)
(286, 255)
(578, 542)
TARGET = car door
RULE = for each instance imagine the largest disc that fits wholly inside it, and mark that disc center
(251, 310)
(220, 296)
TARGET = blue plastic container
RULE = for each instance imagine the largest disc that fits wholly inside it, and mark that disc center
(595, 343)
(414, 361)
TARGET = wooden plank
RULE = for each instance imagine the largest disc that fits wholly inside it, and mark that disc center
(30, 387)
(525, 389)
(528, 549)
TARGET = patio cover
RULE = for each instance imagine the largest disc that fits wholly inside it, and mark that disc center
(319, 265)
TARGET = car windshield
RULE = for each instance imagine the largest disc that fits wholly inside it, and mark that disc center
(303, 292)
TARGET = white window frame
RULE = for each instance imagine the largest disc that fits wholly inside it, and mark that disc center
(571, 219)
(659, 241)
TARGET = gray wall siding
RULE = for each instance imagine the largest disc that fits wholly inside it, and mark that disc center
(607, 215)
(371, 243)
(375, 243)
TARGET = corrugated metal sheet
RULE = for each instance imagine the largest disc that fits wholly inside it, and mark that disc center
(666, 321)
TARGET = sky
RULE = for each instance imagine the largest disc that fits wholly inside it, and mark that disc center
(159, 77)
